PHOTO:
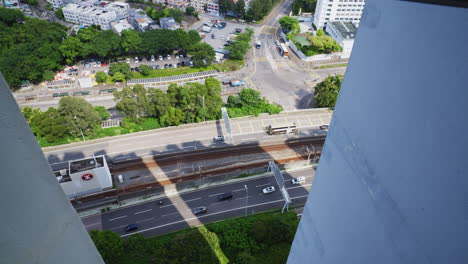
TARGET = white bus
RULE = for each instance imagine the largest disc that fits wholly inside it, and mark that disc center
(284, 129)
(283, 50)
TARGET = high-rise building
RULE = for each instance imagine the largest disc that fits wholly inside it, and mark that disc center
(392, 184)
(338, 10)
(38, 223)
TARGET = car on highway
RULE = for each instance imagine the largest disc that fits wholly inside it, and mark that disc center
(199, 210)
(324, 127)
(225, 196)
(131, 227)
(298, 180)
(269, 189)
(218, 138)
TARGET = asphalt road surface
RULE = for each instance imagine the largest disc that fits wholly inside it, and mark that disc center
(176, 211)
(189, 137)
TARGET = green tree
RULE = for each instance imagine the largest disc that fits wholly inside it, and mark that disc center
(190, 10)
(289, 24)
(10, 16)
(49, 124)
(320, 32)
(71, 48)
(48, 75)
(109, 245)
(79, 116)
(59, 13)
(239, 8)
(160, 102)
(326, 92)
(122, 68)
(133, 103)
(177, 14)
(101, 77)
(202, 54)
(118, 77)
(131, 40)
(102, 112)
(173, 117)
(145, 70)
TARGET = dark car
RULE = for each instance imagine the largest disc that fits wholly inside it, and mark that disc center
(324, 127)
(137, 69)
(157, 67)
(225, 196)
(132, 69)
(131, 227)
(183, 63)
(165, 66)
(227, 44)
(199, 210)
(238, 30)
(169, 66)
(213, 36)
(178, 64)
(226, 82)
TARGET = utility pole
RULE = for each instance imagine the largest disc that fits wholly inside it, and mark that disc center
(204, 114)
(246, 198)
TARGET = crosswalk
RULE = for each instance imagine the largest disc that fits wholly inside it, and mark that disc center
(268, 30)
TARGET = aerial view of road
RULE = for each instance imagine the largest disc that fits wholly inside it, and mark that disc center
(175, 212)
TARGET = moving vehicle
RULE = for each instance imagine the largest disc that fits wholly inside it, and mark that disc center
(277, 43)
(258, 44)
(285, 129)
(199, 210)
(237, 83)
(283, 50)
(269, 189)
(131, 227)
(218, 138)
(298, 180)
(225, 196)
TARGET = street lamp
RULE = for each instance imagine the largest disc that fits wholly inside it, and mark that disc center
(246, 198)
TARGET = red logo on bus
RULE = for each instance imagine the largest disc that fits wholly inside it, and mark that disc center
(87, 177)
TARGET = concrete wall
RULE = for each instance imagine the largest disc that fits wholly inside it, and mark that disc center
(38, 223)
(392, 184)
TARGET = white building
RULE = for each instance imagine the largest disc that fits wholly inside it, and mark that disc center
(168, 23)
(56, 3)
(140, 21)
(120, 25)
(338, 10)
(343, 33)
(100, 13)
(85, 176)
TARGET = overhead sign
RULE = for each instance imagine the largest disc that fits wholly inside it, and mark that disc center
(87, 177)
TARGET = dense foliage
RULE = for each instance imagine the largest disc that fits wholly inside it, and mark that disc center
(29, 47)
(250, 102)
(240, 45)
(326, 92)
(303, 6)
(156, 14)
(74, 117)
(289, 24)
(190, 103)
(319, 45)
(33, 49)
(256, 11)
(261, 239)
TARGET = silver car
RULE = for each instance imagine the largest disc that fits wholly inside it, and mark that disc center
(269, 189)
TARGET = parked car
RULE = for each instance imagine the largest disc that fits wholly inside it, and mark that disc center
(225, 196)
(128, 60)
(218, 138)
(238, 30)
(226, 82)
(213, 36)
(160, 57)
(131, 227)
(157, 67)
(324, 127)
(169, 66)
(277, 43)
(152, 57)
(168, 57)
(191, 63)
(269, 189)
(178, 64)
(199, 210)
(298, 180)
(183, 63)
(137, 69)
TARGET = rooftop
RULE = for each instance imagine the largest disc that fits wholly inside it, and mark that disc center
(86, 164)
(347, 30)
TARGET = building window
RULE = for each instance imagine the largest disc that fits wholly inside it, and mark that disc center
(328, 14)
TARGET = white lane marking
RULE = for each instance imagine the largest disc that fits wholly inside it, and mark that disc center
(145, 220)
(298, 186)
(119, 227)
(193, 199)
(166, 205)
(215, 194)
(143, 211)
(242, 198)
(193, 218)
(92, 224)
(117, 218)
(239, 190)
(170, 214)
(247, 139)
(262, 185)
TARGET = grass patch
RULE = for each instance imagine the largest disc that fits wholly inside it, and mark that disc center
(333, 66)
(171, 72)
(229, 65)
(260, 238)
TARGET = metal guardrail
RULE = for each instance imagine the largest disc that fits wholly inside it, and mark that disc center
(175, 79)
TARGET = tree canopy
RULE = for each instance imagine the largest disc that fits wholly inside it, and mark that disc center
(202, 54)
(326, 92)
(289, 24)
(240, 45)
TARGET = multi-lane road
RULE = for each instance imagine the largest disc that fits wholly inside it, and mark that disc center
(189, 137)
(176, 211)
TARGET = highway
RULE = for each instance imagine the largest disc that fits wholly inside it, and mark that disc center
(189, 137)
(175, 212)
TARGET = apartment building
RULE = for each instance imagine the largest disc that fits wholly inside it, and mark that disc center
(89, 15)
(56, 4)
(338, 10)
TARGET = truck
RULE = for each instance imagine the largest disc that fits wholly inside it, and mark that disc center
(237, 83)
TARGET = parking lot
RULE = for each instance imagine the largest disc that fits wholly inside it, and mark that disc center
(217, 42)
